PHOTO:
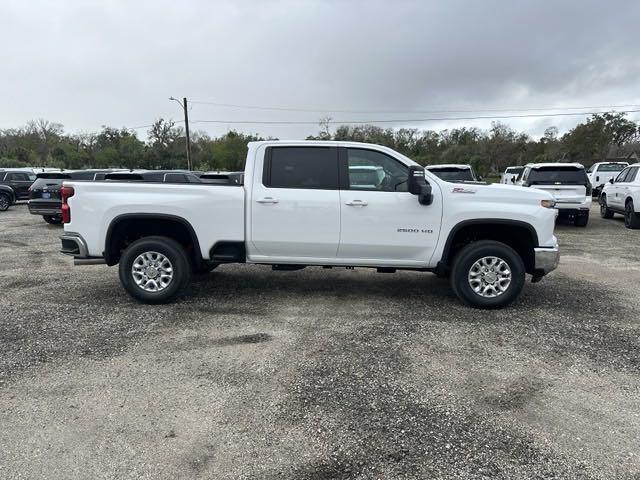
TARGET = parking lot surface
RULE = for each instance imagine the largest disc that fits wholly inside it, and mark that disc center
(318, 374)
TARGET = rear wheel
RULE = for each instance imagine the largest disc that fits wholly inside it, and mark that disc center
(631, 218)
(487, 274)
(53, 219)
(605, 212)
(581, 220)
(154, 269)
(5, 202)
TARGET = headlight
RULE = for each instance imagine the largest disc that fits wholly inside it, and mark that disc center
(548, 203)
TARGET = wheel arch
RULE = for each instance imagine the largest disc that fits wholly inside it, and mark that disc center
(129, 227)
(519, 235)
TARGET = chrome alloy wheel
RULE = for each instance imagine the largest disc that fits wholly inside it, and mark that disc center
(490, 277)
(152, 271)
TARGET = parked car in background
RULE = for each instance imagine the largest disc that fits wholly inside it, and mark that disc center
(155, 176)
(567, 182)
(453, 172)
(600, 173)
(44, 194)
(19, 180)
(510, 175)
(622, 195)
(7, 197)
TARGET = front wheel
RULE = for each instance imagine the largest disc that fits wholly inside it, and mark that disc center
(154, 269)
(52, 219)
(487, 274)
(631, 218)
(5, 202)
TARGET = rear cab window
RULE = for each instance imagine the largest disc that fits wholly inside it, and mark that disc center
(557, 175)
(451, 174)
(611, 167)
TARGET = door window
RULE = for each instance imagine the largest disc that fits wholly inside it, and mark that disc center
(301, 167)
(19, 177)
(631, 176)
(621, 178)
(371, 170)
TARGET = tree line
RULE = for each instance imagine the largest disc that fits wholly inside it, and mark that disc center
(45, 144)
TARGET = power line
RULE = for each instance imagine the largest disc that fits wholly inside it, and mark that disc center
(407, 120)
(397, 120)
(337, 110)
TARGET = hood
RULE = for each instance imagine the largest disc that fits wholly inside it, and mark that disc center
(510, 193)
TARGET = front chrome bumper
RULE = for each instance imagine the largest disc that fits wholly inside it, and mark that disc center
(546, 260)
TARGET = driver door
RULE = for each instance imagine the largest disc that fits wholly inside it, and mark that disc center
(381, 222)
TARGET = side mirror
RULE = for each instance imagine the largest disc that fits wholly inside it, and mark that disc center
(611, 181)
(417, 185)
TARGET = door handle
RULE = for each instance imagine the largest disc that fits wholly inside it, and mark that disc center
(356, 203)
(267, 200)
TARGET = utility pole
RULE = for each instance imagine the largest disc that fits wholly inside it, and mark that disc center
(183, 104)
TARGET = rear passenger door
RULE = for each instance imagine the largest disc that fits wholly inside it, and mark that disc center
(295, 205)
(20, 182)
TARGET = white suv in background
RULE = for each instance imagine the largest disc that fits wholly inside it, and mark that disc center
(453, 172)
(600, 173)
(510, 175)
(567, 182)
(622, 195)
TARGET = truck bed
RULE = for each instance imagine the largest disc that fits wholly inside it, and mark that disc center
(215, 212)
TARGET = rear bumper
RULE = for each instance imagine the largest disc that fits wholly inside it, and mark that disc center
(569, 206)
(546, 260)
(73, 244)
(44, 208)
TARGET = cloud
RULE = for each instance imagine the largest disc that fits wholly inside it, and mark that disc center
(87, 64)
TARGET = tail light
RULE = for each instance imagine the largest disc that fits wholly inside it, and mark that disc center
(30, 193)
(66, 193)
(588, 187)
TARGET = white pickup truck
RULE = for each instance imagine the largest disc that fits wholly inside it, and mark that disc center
(304, 203)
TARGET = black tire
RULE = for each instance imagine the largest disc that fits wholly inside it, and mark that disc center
(205, 268)
(171, 250)
(581, 220)
(466, 259)
(605, 212)
(631, 218)
(5, 202)
(53, 219)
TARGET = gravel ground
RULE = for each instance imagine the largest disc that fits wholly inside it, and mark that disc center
(318, 373)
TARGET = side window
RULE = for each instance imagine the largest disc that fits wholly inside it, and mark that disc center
(621, 177)
(633, 174)
(371, 170)
(18, 177)
(301, 167)
(175, 178)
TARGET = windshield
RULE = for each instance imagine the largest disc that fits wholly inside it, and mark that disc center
(453, 174)
(611, 167)
(571, 175)
(515, 170)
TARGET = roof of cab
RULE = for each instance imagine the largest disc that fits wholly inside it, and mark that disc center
(449, 165)
(554, 164)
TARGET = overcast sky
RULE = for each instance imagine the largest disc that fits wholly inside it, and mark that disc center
(88, 64)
